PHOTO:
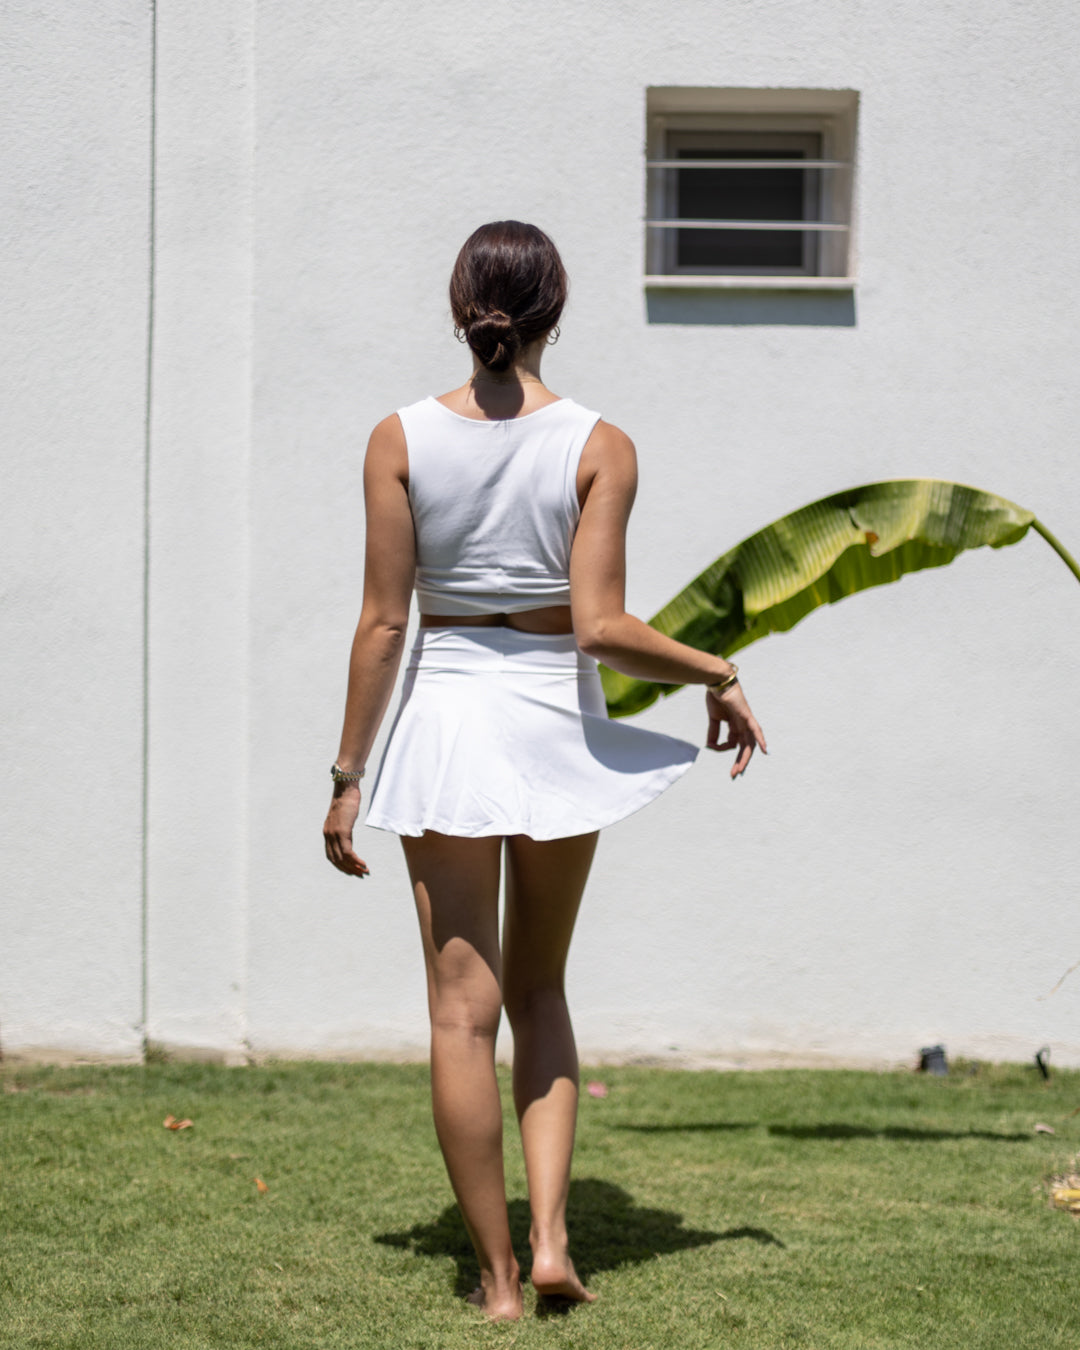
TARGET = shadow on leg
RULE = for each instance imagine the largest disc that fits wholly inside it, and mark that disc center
(544, 885)
(456, 889)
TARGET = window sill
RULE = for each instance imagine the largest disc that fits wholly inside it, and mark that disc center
(748, 283)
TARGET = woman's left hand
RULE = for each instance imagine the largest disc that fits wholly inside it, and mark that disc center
(743, 731)
(338, 829)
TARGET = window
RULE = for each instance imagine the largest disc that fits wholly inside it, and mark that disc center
(750, 187)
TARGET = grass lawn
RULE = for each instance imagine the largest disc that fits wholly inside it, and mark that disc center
(783, 1209)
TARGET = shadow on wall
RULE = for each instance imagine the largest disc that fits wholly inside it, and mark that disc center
(735, 308)
(610, 1230)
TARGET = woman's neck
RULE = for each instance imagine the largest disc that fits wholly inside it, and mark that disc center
(499, 394)
(525, 370)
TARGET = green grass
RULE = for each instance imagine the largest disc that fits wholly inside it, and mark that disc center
(782, 1209)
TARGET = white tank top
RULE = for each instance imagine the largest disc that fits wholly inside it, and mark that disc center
(494, 505)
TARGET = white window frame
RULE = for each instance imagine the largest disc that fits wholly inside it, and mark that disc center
(743, 119)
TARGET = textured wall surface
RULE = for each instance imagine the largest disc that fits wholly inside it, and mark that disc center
(75, 102)
(199, 585)
(898, 871)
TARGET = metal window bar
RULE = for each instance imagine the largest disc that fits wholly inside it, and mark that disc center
(812, 229)
(748, 164)
(680, 164)
(745, 225)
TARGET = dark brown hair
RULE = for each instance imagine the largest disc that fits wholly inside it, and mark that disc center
(508, 288)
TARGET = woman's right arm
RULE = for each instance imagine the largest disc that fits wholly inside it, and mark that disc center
(389, 571)
(608, 479)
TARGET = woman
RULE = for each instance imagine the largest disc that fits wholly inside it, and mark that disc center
(505, 507)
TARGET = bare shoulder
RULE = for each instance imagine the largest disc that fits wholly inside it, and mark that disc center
(609, 450)
(609, 443)
(609, 456)
(387, 452)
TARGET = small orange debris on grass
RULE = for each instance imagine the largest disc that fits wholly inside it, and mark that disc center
(261, 1186)
(171, 1123)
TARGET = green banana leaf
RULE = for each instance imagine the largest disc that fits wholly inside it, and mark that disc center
(866, 536)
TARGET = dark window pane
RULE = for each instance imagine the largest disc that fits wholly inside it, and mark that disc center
(741, 194)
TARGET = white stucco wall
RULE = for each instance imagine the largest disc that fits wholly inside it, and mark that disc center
(199, 586)
(75, 102)
(899, 870)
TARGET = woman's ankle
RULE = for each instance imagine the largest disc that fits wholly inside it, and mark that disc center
(500, 1277)
(551, 1238)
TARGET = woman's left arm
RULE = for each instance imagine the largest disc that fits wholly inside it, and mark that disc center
(389, 572)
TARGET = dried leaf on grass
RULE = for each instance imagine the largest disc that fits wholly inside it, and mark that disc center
(171, 1123)
(1065, 1191)
(261, 1186)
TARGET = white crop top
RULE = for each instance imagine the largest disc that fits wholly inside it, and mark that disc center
(494, 506)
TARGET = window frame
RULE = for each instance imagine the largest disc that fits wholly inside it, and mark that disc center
(763, 119)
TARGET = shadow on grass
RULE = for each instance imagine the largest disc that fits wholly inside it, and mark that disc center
(607, 1230)
(686, 1127)
(838, 1130)
(832, 1129)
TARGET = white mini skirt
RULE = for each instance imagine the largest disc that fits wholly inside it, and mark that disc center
(501, 732)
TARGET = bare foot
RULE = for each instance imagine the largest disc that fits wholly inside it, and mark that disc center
(502, 1306)
(554, 1276)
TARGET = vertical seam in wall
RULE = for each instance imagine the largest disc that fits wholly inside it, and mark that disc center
(144, 865)
(249, 300)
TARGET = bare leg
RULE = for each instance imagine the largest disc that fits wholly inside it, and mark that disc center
(456, 887)
(544, 884)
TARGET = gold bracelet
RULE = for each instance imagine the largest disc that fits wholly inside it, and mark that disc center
(722, 686)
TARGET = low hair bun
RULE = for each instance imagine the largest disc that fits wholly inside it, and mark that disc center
(494, 339)
(507, 290)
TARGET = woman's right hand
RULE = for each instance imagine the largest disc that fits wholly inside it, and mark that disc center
(742, 728)
(338, 830)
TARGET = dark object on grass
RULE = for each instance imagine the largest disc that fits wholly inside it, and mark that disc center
(1042, 1058)
(932, 1060)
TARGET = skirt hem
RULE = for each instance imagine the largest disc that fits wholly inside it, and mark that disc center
(661, 782)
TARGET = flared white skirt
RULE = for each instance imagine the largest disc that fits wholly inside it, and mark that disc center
(501, 732)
